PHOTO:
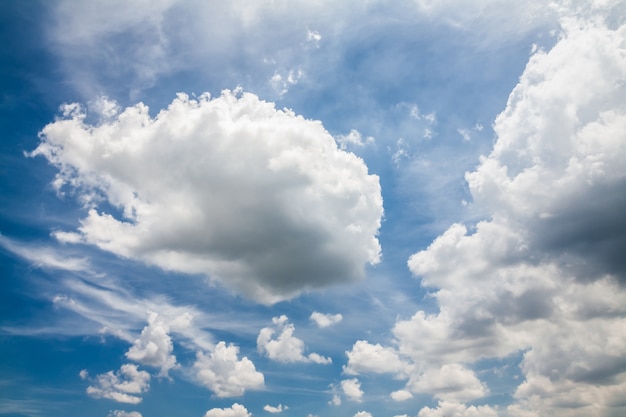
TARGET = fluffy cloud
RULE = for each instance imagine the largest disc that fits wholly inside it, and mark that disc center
(352, 389)
(275, 410)
(365, 357)
(154, 347)
(236, 410)
(121, 386)
(258, 199)
(451, 382)
(363, 414)
(325, 320)
(223, 373)
(544, 275)
(401, 395)
(285, 347)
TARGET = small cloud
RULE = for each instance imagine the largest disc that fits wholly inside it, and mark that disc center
(225, 374)
(121, 413)
(236, 410)
(354, 138)
(352, 389)
(275, 410)
(336, 400)
(325, 320)
(121, 386)
(285, 347)
(314, 37)
(465, 134)
(401, 395)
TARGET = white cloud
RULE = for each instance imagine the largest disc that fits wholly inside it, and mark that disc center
(363, 414)
(121, 386)
(285, 347)
(275, 410)
(365, 357)
(544, 274)
(336, 400)
(154, 347)
(354, 138)
(122, 413)
(401, 395)
(236, 410)
(325, 320)
(213, 212)
(223, 373)
(45, 257)
(352, 389)
(451, 382)
(454, 409)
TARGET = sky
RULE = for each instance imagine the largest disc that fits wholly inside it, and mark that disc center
(313, 208)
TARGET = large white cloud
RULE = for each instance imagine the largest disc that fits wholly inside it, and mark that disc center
(545, 273)
(122, 386)
(225, 374)
(259, 199)
(285, 347)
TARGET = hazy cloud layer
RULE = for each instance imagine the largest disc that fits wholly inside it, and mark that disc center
(259, 199)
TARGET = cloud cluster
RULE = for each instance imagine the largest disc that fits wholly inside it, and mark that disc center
(285, 347)
(122, 386)
(258, 199)
(543, 276)
(225, 374)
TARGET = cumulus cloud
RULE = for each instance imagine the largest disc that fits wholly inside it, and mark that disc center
(154, 346)
(545, 273)
(285, 347)
(325, 320)
(363, 414)
(236, 410)
(451, 382)
(275, 410)
(352, 389)
(225, 374)
(401, 395)
(365, 357)
(122, 386)
(256, 198)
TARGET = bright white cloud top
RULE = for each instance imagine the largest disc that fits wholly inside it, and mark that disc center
(259, 199)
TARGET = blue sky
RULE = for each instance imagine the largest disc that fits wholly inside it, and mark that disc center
(313, 208)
